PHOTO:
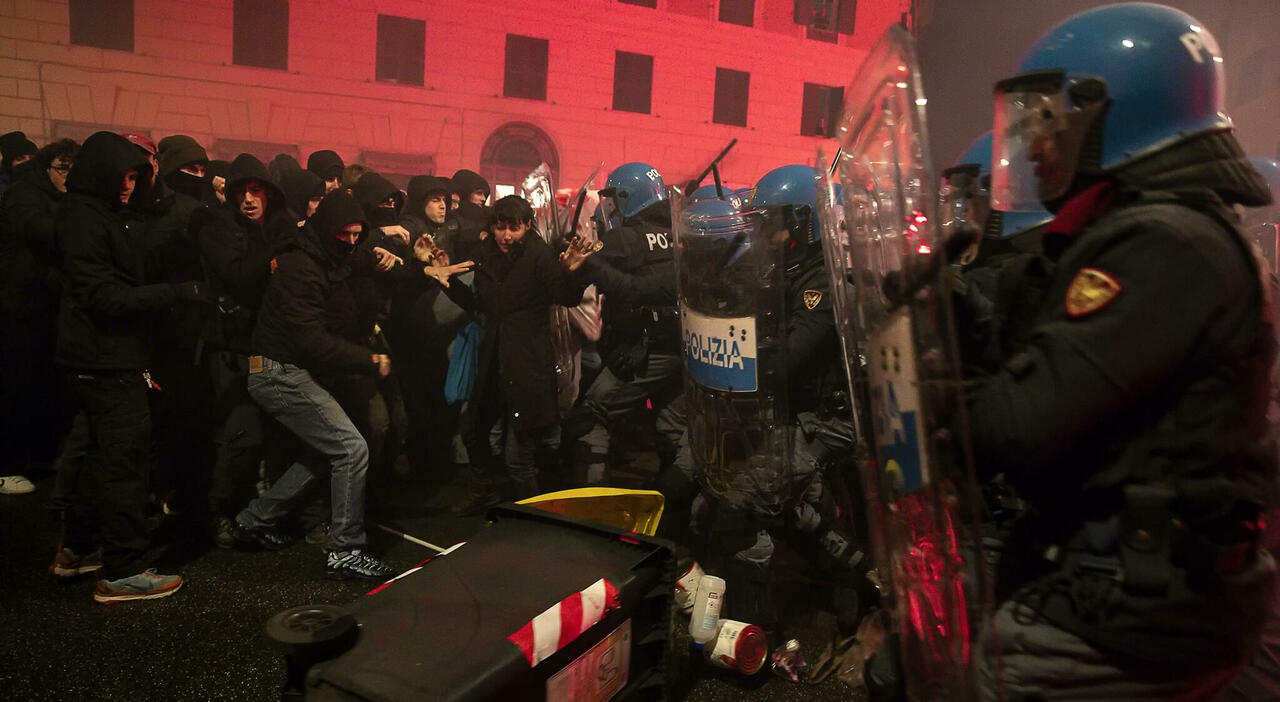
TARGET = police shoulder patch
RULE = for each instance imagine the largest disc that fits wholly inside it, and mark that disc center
(1091, 290)
(812, 298)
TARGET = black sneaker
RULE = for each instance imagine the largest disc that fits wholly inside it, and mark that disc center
(319, 534)
(266, 538)
(341, 565)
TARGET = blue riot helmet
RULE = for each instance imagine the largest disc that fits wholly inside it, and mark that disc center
(964, 195)
(1270, 171)
(634, 187)
(1099, 91)
(792, 192)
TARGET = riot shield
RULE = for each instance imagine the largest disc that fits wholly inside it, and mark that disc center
(889, 287)
(538, 189)
(731, 290)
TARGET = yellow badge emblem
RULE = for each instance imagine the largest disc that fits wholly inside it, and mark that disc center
(1091, 290)
(812, 298)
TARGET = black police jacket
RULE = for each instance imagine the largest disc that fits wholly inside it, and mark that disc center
(1147, 365)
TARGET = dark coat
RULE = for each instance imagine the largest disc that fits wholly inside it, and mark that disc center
(108, 308)
(28, 252)
(301, 319)
(515, 292)
(237, 254)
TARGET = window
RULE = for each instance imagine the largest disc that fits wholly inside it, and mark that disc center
(731, 97)
(821, 110)
(826, 16)
(106, 25)
(741, 12)
(260, 33)
(632, 82)
(401, 45)
(641, 3)
(526, 70)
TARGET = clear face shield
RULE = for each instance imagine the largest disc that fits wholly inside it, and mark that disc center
(1029, 164)
(963, 199)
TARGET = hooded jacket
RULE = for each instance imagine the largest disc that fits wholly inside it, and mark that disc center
(414, 218)
(238, 251)
(326, 164)
(299, 187)
(300, 321)
(108, 308)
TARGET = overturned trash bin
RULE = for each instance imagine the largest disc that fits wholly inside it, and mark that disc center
(536, 606)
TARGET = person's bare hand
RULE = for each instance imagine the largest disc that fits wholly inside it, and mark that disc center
(442, 273)
(397, 232)
(386, 259)
(219, 184)
(425, 249)
(384, 365)
(578, 251)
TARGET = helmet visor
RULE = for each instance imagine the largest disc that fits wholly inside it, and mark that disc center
(1029, 164)
(963, 198)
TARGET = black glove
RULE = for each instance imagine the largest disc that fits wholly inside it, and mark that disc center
(190, 291)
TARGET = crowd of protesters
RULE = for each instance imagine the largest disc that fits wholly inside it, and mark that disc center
(217, 341)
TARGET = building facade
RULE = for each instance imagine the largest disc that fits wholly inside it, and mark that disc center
(423, 86)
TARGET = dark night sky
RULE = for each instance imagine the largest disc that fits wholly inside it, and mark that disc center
(966, 45)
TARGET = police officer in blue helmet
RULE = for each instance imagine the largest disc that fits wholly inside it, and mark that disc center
(737, 518)
(1132, 420)
(640, 345)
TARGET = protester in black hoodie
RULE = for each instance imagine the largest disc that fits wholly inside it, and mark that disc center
(33, 406)
(420, 327)
(239, 241)
(302, 192)
(296, 343)
(15, 149)
(184, 422)
(470, 192)
(104, 341)
(329, 166)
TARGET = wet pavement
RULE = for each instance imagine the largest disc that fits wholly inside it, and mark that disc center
(206, 642)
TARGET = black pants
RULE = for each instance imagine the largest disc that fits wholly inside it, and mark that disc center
(107, 463)
(239, 435)
(420, 369)
(35, 405)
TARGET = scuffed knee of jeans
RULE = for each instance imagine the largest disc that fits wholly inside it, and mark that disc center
(358, 452)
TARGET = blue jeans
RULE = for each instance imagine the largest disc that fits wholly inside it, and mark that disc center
(293, 397)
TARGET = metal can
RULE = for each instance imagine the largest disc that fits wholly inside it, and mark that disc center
(738, 646)
(687, 586)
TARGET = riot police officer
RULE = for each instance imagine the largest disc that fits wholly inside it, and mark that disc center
(768, 459)
(641, 339)
(1132, 419)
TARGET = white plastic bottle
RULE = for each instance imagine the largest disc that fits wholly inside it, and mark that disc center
(706, 609)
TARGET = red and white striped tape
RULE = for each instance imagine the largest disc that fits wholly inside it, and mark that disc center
(565, 621)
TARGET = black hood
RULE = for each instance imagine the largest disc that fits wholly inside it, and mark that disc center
(338, 209)
(100, 166)
(299, 187)
(13, 145)
(1214, 161)
(281, 164)
(422, 186)
(466, 182)
(247, 167)
(326, 164)
(372, 189)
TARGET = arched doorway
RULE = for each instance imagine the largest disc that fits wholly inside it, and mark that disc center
(511, 152)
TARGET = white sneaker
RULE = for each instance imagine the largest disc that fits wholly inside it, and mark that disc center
(15, 485)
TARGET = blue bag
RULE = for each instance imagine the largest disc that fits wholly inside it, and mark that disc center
(463, 360)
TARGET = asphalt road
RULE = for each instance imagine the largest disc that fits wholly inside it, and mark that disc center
(206, 642)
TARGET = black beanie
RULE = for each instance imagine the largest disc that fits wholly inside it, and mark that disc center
(177, 151)
(326, 164)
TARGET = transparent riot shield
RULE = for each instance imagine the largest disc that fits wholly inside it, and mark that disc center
(538, 189)
(729, 278)
(889, 287)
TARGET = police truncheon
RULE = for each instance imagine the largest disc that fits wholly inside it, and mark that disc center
(894, 319)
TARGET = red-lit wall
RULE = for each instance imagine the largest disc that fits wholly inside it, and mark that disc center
(180, 79)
